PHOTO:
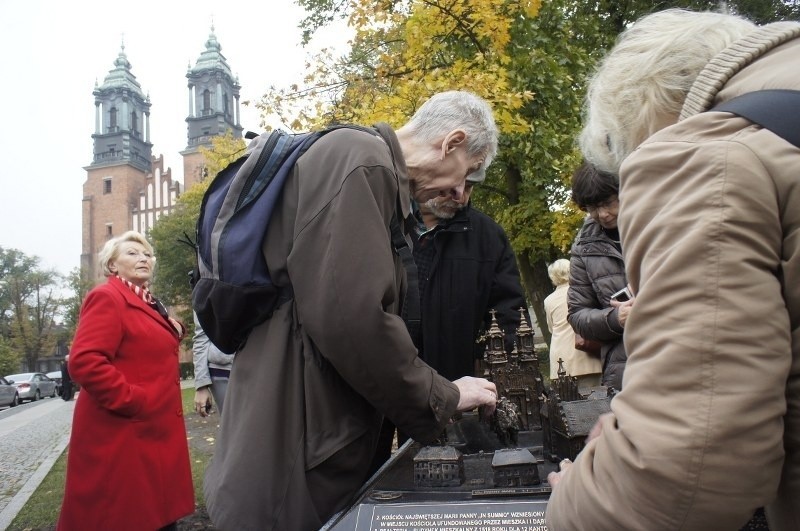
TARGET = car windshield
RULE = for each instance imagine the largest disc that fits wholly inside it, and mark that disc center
(25, 377)
(56, 374)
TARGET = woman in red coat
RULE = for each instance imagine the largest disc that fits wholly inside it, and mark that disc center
(128, 462)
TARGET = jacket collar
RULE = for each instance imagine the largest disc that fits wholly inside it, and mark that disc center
(404, 193)
(731, 60)
(593, 233)
(460, 222)
(137, 302)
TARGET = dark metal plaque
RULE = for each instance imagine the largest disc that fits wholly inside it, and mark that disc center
(392, 501)
(515, 515)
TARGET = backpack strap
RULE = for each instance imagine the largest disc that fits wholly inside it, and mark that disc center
(411, 305)
(776, 110)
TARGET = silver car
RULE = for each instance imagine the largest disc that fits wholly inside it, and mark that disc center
(56, 377)
(8, 394)
(32, 385)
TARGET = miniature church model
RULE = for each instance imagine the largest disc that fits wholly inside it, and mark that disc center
(516, 375)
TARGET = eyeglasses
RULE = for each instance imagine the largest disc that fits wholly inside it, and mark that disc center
(607, 205)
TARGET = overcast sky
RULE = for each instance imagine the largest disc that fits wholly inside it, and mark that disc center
(53, 51)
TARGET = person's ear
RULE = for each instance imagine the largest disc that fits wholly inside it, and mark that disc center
(452, 140)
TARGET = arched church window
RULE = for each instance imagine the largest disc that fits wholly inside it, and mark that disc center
(134, 122)
(112, 120)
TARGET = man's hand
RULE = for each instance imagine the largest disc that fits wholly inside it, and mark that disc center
(475, 392)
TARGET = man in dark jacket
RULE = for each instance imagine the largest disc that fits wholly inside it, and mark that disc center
(67, 387)
(466, 268)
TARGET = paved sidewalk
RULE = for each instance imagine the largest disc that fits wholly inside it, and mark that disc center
(32, 440)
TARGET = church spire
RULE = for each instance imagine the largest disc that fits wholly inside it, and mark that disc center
(122, 118)
(213, 105)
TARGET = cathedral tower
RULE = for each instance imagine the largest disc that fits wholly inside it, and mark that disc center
(125, 187)
(213, 107)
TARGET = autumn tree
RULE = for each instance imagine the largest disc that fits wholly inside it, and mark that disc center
(29, 305)
(403, 52)
(79, 285)
(529, 59)
(9, 357)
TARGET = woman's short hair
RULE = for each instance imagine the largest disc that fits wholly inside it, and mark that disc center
(558, 272)
(110, 250)
(457, 109)
(641, 85)
(592, 187)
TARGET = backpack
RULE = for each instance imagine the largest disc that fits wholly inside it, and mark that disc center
(232, 291)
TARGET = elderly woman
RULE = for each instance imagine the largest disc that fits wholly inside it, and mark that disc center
(707, 428)
(598, 271)
(584, 367)
(128, 462)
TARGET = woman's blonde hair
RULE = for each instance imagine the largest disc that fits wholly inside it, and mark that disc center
(641, 85)
(558, 272)
(110, 250)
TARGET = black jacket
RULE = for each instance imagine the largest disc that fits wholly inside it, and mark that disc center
(474, 270)
(597, 270)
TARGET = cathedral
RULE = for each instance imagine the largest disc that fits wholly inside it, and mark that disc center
(127, 188)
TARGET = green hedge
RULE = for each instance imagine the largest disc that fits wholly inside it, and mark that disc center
(187, 370)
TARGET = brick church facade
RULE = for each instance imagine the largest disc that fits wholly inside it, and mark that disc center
(126, 187)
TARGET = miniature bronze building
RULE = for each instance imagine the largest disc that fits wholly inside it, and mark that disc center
(514, 467)
(569, 416)
(516, 375)
(438, 466)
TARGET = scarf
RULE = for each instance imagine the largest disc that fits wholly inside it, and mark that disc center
(141, 292)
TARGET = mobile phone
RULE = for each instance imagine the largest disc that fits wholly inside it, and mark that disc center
(622, 295)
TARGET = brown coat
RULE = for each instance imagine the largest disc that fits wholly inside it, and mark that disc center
(308, 391)
(707, 426)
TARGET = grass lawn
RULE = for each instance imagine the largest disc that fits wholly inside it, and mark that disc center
(41, 511)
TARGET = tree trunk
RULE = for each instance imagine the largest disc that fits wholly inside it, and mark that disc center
(535, 280)
(537, 286)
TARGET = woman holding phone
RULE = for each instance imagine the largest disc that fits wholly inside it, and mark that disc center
(597, 284)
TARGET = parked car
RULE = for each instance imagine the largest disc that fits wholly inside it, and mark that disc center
(32, 385)
(8, 394)
(56, 377)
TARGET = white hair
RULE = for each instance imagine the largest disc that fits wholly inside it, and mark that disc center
(110, 250)
(558, 272)
(456, 109)
(640, 86)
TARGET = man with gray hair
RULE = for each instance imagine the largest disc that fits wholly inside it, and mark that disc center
(707, 426)
(308, 391)
(466, 269)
